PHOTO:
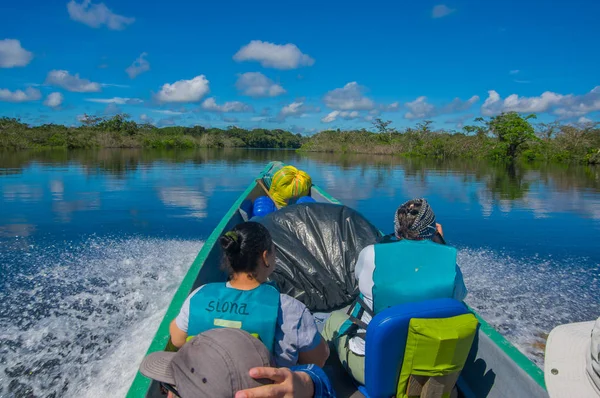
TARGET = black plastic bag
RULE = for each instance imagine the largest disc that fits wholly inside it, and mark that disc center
(317, 245)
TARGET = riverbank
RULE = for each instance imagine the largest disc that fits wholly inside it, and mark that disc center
(504, 137)
(118, 132)
(571, 145)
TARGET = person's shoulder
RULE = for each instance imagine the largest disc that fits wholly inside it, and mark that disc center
(197, 290)
(367, 251)
(291, 304)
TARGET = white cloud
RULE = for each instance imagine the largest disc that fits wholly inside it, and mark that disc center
(184, 90)
(579, 105)
(295, 109)
(112, 109)
(114, 85)
(348, 98)
(116, 100)
(255, 84)
(258, 118)
(584, 120)
(12, 54)
(494, 105)
(30, 94)
(332, 116)
(145, 118)
(54, 100)
(96, 15)
(167, 112)
(514, 71)
(139, 66)
(270, 55)
(421, 109)
(565, 106)
(441, 11)
(210, 104)
(394, 106)
(458, 105)
(64, 79)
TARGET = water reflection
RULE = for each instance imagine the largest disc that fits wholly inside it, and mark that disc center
(184, 197)
(64, 209)
(22, 193)
(540, 188)
(123, 162)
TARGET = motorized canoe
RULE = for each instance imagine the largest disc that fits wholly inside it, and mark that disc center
(496, 368)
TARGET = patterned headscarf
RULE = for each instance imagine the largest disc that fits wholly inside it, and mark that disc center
(424, 224)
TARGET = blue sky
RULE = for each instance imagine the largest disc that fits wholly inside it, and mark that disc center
(303, 66)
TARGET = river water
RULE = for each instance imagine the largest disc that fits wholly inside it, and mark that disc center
(94, 243)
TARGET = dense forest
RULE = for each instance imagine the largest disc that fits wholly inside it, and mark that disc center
(505, 137)
(508, 136)
(119, 132)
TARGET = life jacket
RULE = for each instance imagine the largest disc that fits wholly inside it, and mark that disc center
(412, 270)
(218, 306)
(405, 271)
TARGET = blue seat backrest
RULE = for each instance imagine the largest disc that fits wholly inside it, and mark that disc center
(386, 341)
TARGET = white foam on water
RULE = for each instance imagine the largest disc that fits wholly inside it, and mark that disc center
(80, 320)
(524, 298)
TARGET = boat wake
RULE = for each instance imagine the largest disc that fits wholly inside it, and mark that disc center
(525, 298)
(76, 320)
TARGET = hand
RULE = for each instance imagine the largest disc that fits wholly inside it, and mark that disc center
(438, 228)
(287, 384)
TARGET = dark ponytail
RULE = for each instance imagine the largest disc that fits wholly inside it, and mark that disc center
(244, 245)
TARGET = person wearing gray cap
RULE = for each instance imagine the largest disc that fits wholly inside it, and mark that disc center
(246, 301)
(230, 362)
(417, 266)
(572, 362)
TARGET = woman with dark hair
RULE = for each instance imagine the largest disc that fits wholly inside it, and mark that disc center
(416, 266)
(246, 302)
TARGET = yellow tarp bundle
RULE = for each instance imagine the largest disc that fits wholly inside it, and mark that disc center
(288, 183)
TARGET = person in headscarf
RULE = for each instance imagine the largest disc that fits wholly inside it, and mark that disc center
(415, 266)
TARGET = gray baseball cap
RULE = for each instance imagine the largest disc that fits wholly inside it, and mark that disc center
(213, 364)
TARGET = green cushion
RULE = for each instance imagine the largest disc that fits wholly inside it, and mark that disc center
(436, 347)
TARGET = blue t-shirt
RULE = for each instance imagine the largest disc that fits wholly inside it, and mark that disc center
(296, 330)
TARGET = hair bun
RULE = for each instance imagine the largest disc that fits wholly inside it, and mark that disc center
(230, 243)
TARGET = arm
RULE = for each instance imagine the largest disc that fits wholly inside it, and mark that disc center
(178, 336)
(321, 384)
(179, 326)
(286, 384)
(317, 355)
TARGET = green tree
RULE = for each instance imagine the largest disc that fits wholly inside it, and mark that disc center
(512, 131)
(480, 130)
(382, 126)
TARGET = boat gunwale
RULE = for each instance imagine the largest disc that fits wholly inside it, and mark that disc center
(139, 386)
